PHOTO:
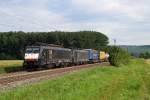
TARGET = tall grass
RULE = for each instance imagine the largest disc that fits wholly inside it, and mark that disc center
(130, 82)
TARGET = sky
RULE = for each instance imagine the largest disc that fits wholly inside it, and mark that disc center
(127, 21)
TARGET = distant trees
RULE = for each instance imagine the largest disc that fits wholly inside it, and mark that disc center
(12, 44)
(145, 55)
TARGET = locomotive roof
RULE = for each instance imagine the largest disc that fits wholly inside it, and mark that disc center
(82, 50)
(45, 44)
(48, 47)
(90, 49)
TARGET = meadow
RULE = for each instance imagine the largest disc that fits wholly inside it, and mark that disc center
(130, 82)
(148, 61)
(7, 66)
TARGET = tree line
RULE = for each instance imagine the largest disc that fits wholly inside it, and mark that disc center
(145, 55)
(12, 44)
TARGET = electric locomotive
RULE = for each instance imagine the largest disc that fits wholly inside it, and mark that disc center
(47, 55)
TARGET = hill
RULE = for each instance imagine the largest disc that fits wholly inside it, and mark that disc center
(136, 50)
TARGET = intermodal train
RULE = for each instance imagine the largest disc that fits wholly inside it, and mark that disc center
(56, 56)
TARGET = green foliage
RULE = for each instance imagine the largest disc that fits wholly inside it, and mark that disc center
(145, 55)
(118, 56)
(12, 44)
(5, 56)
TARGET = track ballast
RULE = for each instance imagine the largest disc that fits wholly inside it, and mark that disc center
(17, 79)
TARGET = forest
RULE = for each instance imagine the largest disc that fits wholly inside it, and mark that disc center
(12, 44)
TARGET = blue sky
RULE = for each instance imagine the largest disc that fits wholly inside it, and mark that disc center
(127, 21)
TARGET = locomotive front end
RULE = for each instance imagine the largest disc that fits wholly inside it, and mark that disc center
(32, 56)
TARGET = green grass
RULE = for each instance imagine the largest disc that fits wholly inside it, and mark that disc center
(10, 65)
(130, 82)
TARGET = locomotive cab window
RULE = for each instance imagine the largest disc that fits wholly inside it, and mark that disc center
(29, 50)
(32, 50)
(36, 50)
(50, 54)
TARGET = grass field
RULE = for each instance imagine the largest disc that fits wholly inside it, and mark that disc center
(130, 82)
(148, 61)
(10, 65)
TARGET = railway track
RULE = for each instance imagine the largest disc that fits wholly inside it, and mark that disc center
(6, 80)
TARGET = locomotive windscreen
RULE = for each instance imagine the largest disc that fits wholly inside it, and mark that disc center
(32, 50)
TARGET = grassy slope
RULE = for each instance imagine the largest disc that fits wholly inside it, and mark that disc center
(130, 82)
(10, 65)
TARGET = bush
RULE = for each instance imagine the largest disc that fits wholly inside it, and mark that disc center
(118, 56)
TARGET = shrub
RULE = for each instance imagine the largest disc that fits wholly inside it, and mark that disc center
(118, 56)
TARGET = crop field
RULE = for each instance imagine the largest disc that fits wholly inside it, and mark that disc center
(148, 61)
(130, 82)
(10, 65)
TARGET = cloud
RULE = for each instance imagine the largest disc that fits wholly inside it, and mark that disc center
(28, 16)
(132, 9)
(125, 20)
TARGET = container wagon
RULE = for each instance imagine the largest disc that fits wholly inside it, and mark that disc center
(93, 55)
(103, 56)
(80, 57)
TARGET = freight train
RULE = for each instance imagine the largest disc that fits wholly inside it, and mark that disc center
(56, 56)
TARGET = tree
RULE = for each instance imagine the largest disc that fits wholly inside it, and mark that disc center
(118, 56)
(12, 44)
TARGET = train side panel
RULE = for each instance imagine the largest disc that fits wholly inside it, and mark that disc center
(61, 55)
(80, 56)
(57, 56)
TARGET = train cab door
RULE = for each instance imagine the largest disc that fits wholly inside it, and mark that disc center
(49, 56)
(45, 55)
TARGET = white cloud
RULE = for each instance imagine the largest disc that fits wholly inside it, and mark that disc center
(125, 20)
(133, 9)
(131, 18)
(32, 17)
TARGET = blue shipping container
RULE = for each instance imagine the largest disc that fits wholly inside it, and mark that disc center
(92, 54)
